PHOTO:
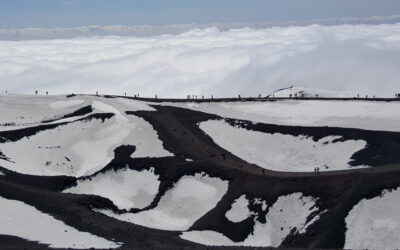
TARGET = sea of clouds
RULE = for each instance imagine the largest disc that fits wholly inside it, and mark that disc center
(359, 58)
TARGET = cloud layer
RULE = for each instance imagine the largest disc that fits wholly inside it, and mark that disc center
(154, 30)
(358, 58)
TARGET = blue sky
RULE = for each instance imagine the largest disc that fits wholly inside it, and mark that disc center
(69, 13)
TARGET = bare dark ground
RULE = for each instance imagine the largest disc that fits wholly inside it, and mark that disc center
(337, 192)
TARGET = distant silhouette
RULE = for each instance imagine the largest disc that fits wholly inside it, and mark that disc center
(47, 92)
(36, 92)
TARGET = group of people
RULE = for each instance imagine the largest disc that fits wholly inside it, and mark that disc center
(37, 92)
(194, 97)
(316, 170)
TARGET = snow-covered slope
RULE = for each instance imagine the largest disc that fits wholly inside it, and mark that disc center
(22, 220)
(80, 147)
(370, 115)
(280, 152)
(18, 111)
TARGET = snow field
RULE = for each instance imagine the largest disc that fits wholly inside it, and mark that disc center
(281, 152)
(58, 151)
(126, 188)
(83, 147)
(24, 221)
(20, 111)
(186, 202)
(374, 223)
(287, 213)
(369, 115)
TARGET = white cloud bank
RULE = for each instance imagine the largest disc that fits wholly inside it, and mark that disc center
(357, 58)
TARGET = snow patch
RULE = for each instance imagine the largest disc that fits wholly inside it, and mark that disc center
(181, 206)
(374, 223)
(22, 220)
(281, 152)
(260, 202)
(126, 188)
(239, 210)
(288, 213)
